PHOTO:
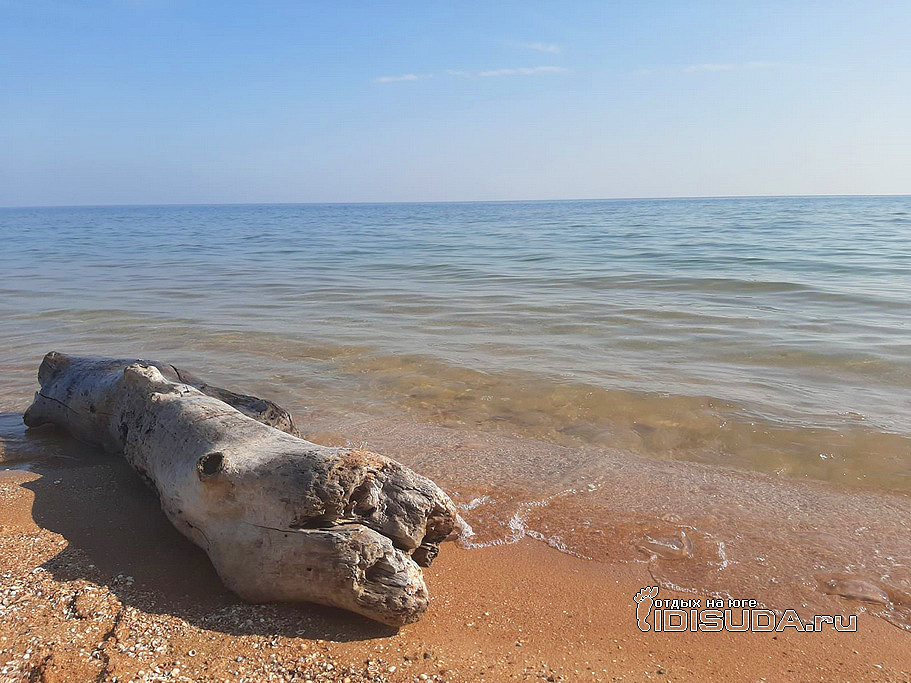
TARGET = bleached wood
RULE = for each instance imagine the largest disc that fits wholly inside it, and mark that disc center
(282, 519)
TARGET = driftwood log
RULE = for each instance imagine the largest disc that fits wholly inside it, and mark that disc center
(282, 519)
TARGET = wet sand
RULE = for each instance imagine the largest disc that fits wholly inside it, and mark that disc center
(96, 585)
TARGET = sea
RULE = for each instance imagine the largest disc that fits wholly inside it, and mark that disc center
(717, 388)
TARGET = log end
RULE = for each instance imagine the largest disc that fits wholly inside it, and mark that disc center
(348, 566)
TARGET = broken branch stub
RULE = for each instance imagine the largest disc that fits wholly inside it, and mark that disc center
(282, 519)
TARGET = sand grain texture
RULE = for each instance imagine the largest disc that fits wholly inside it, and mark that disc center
(97, 586)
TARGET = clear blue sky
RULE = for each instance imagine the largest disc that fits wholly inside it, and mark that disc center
(183, 101)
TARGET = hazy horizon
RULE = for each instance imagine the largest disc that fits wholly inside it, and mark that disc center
(456, 201)
(151, 102)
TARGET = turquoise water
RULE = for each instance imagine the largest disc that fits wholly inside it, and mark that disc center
(763, 333)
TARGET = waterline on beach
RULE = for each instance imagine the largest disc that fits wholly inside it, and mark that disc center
(718, 388)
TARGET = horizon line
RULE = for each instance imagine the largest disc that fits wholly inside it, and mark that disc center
(446, 201)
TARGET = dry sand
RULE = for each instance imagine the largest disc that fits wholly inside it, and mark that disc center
(95, 585)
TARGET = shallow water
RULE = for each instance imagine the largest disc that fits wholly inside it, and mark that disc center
(546, 360)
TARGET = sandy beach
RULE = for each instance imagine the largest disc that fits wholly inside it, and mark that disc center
(96, 585)
(592, 319)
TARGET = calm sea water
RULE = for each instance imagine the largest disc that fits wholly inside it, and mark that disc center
(522, 346)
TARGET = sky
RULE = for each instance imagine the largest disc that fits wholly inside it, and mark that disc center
(197, 101)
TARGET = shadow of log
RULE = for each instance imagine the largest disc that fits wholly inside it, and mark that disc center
(118, 536)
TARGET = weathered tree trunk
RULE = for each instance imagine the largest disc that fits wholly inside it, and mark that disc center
(282, 519)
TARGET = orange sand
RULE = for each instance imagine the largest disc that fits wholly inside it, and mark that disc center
(96, 585)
